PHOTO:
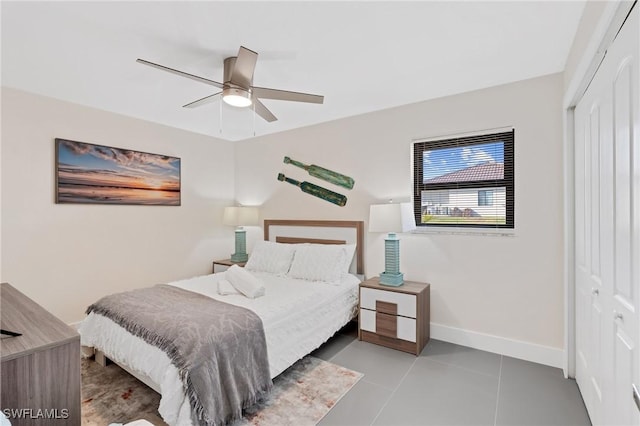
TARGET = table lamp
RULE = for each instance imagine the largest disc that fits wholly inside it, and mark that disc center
(239, 217)
(391, 218)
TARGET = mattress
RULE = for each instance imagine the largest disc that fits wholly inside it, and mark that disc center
(297, 315)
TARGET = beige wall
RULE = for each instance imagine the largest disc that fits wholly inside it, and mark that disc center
(66, 256)
(504, 286)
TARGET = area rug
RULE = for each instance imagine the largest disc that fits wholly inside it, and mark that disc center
(301, 395)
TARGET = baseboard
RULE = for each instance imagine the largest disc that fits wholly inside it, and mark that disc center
(514, 348)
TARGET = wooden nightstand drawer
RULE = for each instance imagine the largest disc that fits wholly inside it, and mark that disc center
(388, 325)
(406, 303)
(395, 317)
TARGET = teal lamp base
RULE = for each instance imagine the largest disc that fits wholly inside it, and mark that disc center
(241, 247)
(392, 275)
(239, 257)
(393, 280)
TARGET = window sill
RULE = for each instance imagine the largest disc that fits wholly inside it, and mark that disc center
(487, 232)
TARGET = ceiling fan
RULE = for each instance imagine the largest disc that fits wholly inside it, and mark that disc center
(238, 89)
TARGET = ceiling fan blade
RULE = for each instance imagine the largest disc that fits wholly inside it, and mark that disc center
(242, 74)
(181, 73)
(284, 95)
(262, 111)
(203, 101)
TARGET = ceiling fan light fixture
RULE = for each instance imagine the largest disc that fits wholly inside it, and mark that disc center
(236, 97)
(238, 89)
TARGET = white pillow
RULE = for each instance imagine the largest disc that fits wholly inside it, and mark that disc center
(271, 257)
(244, 282)
(319, 262)
(350, 250)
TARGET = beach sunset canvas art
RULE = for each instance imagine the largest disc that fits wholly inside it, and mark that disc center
(97, 174)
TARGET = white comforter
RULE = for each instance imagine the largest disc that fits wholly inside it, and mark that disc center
(297, 315)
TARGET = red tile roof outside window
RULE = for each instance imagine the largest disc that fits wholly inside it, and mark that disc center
(485, 171)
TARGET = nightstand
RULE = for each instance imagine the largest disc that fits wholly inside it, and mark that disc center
(395, 317)
(225, 263)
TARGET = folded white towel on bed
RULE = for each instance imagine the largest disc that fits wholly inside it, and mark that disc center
(225, 288)
(243, 281)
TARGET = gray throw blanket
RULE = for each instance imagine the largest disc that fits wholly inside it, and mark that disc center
(219, 349)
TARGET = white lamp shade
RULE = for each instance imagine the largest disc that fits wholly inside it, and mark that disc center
(390, 217)
(240, 216)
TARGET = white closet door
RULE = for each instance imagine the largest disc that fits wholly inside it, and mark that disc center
(593, 286)
(607, 194)
(626, 187)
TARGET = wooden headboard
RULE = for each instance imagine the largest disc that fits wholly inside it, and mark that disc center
(321, 227)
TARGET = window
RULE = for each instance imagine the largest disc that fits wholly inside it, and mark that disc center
(485, 197)
(465, 182)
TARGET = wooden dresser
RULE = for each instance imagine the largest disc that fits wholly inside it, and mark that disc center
(40, 368)
(395, 317)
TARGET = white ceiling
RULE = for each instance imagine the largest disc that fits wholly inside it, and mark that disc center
(362, 56)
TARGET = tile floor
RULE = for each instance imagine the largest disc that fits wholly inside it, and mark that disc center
(448, 385)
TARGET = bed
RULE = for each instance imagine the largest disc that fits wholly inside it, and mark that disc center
(299, 311)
